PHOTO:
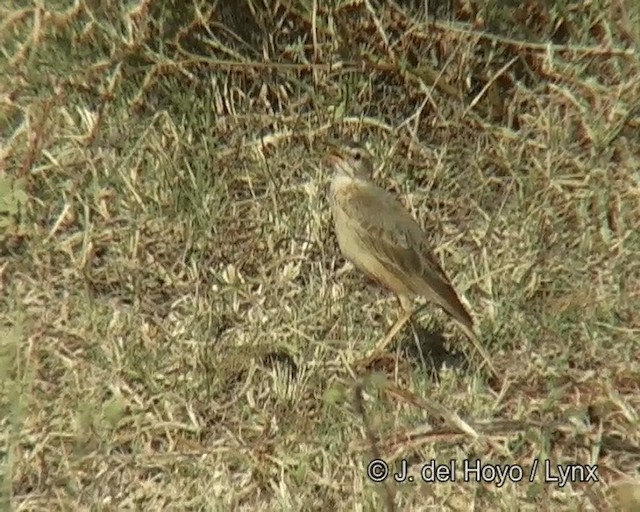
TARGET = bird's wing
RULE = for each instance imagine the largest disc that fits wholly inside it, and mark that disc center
(387, 230)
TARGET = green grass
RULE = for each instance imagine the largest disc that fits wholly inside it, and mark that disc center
(178, 328)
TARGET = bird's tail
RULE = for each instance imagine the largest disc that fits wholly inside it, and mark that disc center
(469, 331)
(451, 303)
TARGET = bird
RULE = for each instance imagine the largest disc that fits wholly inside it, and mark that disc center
(382, 239)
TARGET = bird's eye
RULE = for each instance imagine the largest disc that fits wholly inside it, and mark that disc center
(357, 156)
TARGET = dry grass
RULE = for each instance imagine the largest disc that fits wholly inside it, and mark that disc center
(178, 328)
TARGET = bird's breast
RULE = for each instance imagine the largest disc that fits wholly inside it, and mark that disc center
(341, 184)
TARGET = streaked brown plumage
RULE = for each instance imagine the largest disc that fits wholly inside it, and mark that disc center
(379, 236)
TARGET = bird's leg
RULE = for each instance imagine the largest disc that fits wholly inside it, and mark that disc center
(403, 318)
(395, 328)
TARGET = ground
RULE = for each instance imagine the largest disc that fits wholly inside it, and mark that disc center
(178, 328)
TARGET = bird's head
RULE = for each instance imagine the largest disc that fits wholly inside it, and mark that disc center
(350, 160)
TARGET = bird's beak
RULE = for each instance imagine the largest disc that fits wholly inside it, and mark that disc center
(334, 147)
(333, 158)
(334, 155)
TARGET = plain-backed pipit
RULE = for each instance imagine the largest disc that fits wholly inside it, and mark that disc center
(382, 239)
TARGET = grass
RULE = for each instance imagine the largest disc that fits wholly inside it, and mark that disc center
(179, 330)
